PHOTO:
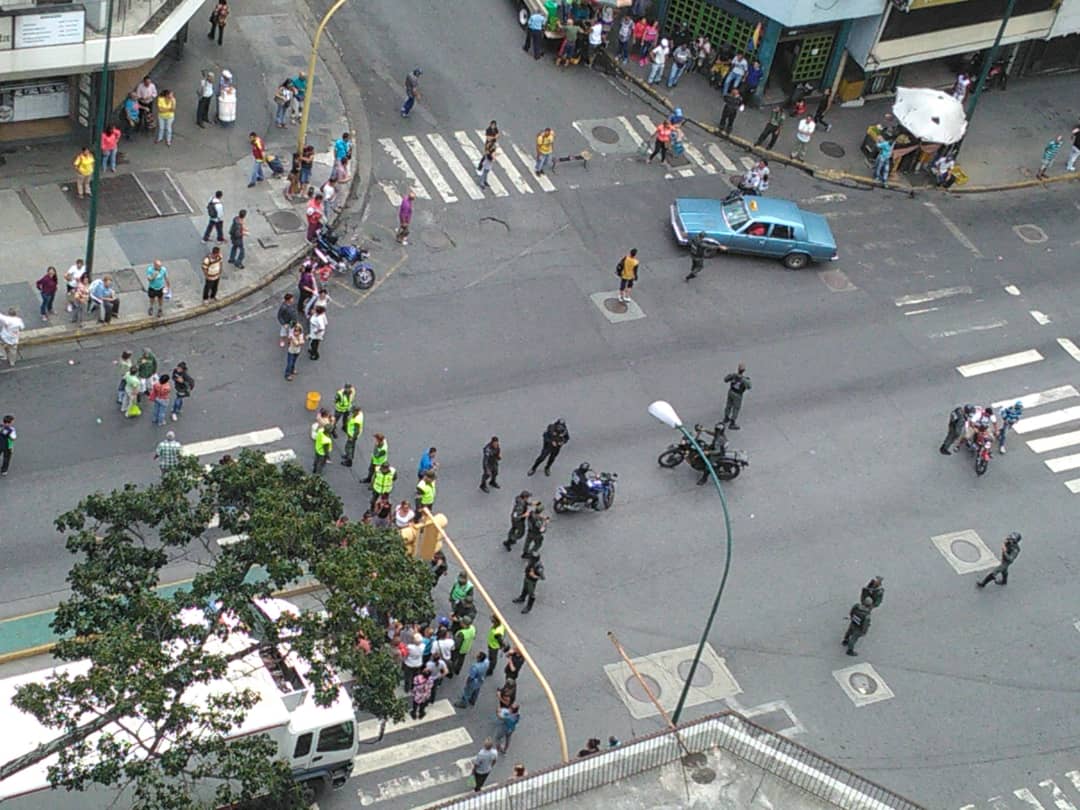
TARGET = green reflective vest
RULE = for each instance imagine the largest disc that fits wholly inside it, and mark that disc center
(323, 443)
(343, 401)
(380, 454)
(495, 637)
(355, 426)
(465, 637)
(427, 493)
(383, 482)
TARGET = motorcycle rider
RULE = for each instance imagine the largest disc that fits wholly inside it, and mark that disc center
(980, 422)
(714, 449)
(579, 489)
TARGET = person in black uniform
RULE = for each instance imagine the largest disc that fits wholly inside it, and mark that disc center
(538, 522)
(555, 437)
(522, 506)
(1010, 550)
(534, 572)
(738, 384)
(697, 254)
(490, 464)
(874, 591)
(957, 419)
(859, 623)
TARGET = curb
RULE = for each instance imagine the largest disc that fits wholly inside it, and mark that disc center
(837, 176)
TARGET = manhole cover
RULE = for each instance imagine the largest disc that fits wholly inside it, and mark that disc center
(615, 305)
(965, 550)
(605, 134)
(702, 675)
(285, 221)
(633, 688)
(832, 149)
(436, 240)
(703, 776)
(863, 683)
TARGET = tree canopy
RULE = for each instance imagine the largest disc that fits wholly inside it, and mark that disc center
(144, 658)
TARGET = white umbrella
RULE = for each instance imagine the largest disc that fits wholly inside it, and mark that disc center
(930, 115)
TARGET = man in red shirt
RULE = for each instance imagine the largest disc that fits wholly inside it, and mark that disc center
(258, 153)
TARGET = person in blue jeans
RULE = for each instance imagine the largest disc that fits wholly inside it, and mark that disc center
(412, 91)
(534, 33)
(1009, 417)
(183, 385)
(883, 164)
(477, 673)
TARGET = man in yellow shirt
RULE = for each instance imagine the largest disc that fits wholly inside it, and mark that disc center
(545, 146)
(627, 271)
(166, 114)
(84, 171)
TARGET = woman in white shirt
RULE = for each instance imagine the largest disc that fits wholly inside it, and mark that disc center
(403, 515)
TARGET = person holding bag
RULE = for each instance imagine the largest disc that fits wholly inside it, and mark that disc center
(217, 20)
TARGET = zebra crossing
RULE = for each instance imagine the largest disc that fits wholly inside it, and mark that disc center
(442, 166)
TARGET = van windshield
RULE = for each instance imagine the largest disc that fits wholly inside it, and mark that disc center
(336, 738)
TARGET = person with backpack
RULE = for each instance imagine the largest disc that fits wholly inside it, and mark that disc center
(215, 212)
(237, 231)
(627, 273)
(183, 385)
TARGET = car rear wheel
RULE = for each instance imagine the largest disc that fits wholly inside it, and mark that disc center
(523, 15)
(796, 261)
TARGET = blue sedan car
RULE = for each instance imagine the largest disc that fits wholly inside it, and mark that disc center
(758, 226)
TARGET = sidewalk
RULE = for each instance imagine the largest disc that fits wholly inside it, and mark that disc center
(1003, 146)
(155, 206)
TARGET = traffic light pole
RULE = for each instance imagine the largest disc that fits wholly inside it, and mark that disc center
(99, 127)
(309, 92)
(986, 65)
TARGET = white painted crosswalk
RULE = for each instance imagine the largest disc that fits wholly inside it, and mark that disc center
(443, 165)
(1044, 421)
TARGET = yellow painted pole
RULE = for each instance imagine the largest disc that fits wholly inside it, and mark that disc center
(310, 92)
(510, 631)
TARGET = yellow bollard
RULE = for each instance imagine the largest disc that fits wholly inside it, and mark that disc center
(313, 400)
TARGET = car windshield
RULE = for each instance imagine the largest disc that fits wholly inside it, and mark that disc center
(735, 214)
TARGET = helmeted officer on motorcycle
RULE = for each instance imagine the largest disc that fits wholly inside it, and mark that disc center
(579, 484)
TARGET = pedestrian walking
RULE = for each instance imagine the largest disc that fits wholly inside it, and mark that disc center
(439, 566)
(1010, 550)
(412, 91)
(436, 668)
(283, 99)
(183, 386)
(518, 516)
(8, 435)
(383, 482)
(211, 270)
(343, 404)
(329, 195)
(127, 368)
(473, 682)
(483, 764)
(217, 20)
(1009, 417)
(534, 572)
(420, 694)
(803, 134)
(680, 60)
(129, 402)
(167, 453)
(626, 31)
(555, 436)
(1050, 152)
(307, 286)
(515, 665)
(496, 643)
(958, 418)
(536, 525)
(292, 350)
(733, 105)
(206, 96)
(425, 493)
(697, 254)
(858, 623)
(492, 455)
(46, 287)
(658, 55)
(160, 394)
(545, 149)
(483, 168)
(324, 446)
(627, 271)
(507, 718)
(215, 213)
(110, 146)
(1074, 152)
(738, 384)
(428, 463)
(258, 159)
(317, 331)
(661, 141)
(157, 286)
(405, 211)
(286, 317)
(823, 107)
(84, 172)
(166, 116)
(534, 33)
(883, 161)
(592, 746)
(237, 231)
(342, 155)
(380, 454)
(463, 641)
(413, 661)
(873, 590)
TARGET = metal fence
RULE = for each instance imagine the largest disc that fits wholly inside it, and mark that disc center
(728, 731)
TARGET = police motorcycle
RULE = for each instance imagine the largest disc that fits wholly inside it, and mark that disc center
(727, 463)
(339, 258)
(588, 488)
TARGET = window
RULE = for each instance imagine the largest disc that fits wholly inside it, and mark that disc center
(336, 738)
(303, 746)
(735, 214)
(757, 229)
(782, 232)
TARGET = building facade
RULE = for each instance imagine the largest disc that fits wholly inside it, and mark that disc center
(51, 55)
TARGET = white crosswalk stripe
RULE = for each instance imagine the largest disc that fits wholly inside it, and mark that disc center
(226, 443)
(719, 156)
(637, 139)
(430, 169)
(647, 123)
(999, 363)
(406, 752)
(1045, 421)
(403, 166)
(473, 154)
(460, 172)
(1063, 463)
(530, 166)
(1047, 397)
(747, 161)
(695, 155)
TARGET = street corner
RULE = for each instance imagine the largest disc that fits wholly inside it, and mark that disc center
(616, 310)
(965, 551)
(665, 673)
(863, 685)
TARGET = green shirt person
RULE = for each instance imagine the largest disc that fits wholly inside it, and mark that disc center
(354, 427)
(324, 445)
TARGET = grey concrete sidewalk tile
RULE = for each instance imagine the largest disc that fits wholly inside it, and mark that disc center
(53, 205)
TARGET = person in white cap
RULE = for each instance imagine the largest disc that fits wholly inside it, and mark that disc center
(658, 57)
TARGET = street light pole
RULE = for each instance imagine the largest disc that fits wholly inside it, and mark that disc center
(989, 62)
(310, 91)
(99, 127)
(666, 414)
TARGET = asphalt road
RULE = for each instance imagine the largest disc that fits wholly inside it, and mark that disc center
(484, 326)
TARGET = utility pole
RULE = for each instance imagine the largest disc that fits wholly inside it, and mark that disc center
(309, 94)
(986, 65)
(95, 134)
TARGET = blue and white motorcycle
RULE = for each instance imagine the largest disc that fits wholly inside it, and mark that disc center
(587, 489)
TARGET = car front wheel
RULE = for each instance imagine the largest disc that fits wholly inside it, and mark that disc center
(796, 261)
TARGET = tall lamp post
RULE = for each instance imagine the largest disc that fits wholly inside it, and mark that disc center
(309, 92)
(665, 413)
(988, 62)
(99, 127)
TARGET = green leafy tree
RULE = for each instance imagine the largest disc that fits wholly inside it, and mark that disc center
(133, 713)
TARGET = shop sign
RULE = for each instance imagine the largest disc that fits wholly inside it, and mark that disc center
(7, 25)
(53, 28)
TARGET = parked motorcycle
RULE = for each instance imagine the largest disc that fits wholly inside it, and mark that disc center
(601, 495)
(727, 463)
(332, 257)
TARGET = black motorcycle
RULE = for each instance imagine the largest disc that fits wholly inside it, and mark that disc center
(727, 463)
